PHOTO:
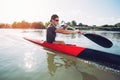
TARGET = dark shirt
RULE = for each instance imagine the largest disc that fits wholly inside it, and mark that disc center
(51, 34)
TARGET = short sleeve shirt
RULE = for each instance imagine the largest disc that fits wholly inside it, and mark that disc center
(51, 34)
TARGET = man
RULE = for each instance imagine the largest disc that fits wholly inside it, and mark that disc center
(52, 30)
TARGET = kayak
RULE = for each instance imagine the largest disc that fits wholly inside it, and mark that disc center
(100, 57)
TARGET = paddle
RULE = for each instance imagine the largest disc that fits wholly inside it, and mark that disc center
(100, 40)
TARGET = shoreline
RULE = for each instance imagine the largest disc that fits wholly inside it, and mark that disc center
(80, 28)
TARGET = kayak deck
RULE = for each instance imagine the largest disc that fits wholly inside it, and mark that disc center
(68, 49)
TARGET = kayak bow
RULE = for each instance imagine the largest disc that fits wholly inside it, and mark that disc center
(100, 57)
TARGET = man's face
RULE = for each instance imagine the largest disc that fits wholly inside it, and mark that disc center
(55, 21)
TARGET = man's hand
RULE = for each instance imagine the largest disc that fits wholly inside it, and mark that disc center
(65, 26)
(77, 31)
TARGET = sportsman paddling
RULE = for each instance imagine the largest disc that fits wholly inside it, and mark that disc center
(52, 30)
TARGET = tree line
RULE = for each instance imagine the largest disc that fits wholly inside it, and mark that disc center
(23, 25)
(40, 25)
(107, 27)
(74, 23)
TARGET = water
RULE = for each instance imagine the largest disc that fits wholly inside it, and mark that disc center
(23, 60)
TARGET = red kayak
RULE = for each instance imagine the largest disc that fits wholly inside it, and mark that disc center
(103, 58)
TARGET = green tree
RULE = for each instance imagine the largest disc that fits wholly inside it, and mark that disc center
(80, 24)
(69, 24)
(2, 25)
(117, 25)
(25, 24)
(74, 23)
(14, 25)
(38, 25)
(47, 24)
(105, 25)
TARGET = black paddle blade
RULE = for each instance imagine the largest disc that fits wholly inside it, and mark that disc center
(102, 41)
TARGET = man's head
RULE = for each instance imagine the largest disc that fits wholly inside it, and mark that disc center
(54, 19)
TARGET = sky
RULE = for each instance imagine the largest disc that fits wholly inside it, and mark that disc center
(91, 12)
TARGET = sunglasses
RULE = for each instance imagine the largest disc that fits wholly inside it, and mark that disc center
(57, 20)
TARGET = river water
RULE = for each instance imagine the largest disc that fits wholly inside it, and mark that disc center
(23, 60)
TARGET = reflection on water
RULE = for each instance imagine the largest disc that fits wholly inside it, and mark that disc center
(87, 76)
(29, 61)
(54, 64)
(111, 35)
(116, 36)
(51, 65)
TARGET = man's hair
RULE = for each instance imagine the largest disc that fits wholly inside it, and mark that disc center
(53, 17)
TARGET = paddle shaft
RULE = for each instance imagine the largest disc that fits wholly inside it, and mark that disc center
(100, 40)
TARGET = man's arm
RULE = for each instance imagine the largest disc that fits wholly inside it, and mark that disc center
(63, 31)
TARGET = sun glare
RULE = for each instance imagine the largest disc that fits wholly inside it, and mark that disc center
(17, 10)
(85, 11)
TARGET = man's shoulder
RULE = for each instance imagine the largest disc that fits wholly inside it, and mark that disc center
(51, 27)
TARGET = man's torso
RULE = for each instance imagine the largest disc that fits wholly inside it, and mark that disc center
(51, 34)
